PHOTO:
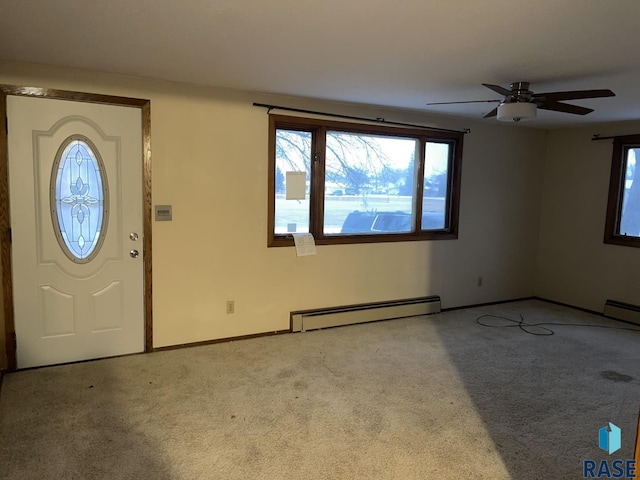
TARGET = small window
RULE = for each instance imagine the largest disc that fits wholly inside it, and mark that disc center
(293, 154)
(79, 196)
(364, 183)
(437, 162)
(623, 211)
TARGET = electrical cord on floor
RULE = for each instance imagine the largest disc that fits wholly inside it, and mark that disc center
(542, 326)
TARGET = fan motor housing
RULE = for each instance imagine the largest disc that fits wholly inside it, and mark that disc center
(520, 93)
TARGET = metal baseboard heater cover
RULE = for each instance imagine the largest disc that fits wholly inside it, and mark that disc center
(367, 312)
(622, 311)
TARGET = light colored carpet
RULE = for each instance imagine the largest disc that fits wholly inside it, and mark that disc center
(435, 397)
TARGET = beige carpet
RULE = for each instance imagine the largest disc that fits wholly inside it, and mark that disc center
(437, 397)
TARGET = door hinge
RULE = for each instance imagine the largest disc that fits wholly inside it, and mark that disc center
(14, 339)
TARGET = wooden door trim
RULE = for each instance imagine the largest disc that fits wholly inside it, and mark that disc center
(5, 220)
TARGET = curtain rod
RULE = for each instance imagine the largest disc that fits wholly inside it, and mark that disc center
(596, 136)
(364, 119)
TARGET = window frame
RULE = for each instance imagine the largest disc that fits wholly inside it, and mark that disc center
(318, 128)
(616, 189)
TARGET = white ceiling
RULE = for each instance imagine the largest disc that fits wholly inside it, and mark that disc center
(400, 54)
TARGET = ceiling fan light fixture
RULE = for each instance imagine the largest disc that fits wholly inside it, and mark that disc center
(516, 111)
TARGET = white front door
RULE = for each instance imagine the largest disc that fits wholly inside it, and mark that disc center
(75, 189)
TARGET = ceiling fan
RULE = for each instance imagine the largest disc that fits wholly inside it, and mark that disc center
(520, 103)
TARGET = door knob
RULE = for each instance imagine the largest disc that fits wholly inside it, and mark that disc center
(134, 253)
(133, 236)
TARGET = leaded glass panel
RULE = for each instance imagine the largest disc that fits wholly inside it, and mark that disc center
(79, 197)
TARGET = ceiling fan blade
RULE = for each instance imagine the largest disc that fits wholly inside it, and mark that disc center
(498, 89)
(564, 107)
(470, 101)
(492, 113)
(574, 95)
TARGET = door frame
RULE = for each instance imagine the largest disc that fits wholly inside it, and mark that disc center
(5, 220)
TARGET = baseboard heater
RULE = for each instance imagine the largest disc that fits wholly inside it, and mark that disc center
(366, 312)
(622, 311)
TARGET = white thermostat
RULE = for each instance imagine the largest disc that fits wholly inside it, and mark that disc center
(163, 213)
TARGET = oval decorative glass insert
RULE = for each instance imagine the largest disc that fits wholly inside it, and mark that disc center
(79, 199)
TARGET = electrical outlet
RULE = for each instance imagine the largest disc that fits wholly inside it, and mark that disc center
(479, 281)
(231, 306)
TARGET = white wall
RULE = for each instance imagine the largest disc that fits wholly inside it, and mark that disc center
(574, 265)
(209, 149)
